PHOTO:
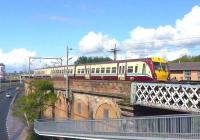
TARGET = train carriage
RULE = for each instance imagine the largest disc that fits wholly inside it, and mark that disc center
(146, 69)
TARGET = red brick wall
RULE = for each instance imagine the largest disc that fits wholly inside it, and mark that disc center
(95, 94)
(111, 88)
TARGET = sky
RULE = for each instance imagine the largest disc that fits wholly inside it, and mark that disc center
(139, 28)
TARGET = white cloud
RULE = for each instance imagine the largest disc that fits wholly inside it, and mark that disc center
(94, 42)
(185, 33)
(183, 36)
(16, 58)
(171, 55)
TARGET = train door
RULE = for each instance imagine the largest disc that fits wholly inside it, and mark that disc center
(121, 71)
(87, 72)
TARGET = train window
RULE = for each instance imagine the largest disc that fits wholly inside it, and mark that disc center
(108, 70)
(79, 71)
(82, 70)
(97, 70)
(102, 70)
(136, 69)
(113, 69)
(93, 70)
(157, 65)
(130, 69)
(123, 69)
(164, 66)
(120, 69)
(88, 70)
(144, 69)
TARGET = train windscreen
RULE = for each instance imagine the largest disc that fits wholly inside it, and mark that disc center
(164, 66)
(160, 66)
(157, 65)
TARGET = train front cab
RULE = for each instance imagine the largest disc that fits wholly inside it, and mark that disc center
(161, 69)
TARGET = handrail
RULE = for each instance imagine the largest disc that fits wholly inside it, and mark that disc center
(181, 126)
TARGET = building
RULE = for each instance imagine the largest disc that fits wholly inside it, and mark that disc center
(185, 71)
(2, 71)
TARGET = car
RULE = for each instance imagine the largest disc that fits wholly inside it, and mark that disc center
(8, 95)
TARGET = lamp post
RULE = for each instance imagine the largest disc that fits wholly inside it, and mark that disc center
(67, 82)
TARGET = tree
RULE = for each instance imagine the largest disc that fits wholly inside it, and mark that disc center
(186, 58)
(85, 60)
(31, 106)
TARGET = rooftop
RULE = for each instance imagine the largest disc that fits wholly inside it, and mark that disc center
(185, 66)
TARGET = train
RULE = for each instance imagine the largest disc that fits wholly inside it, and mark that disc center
(144, 69)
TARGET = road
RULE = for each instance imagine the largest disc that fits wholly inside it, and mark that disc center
(4, 108)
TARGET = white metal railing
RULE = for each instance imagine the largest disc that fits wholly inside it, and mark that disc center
(178, 127)
(180, 97)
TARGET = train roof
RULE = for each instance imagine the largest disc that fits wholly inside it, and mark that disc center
(156, 59)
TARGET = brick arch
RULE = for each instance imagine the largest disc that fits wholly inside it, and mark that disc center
(113, 109)
(80, 109)
(61, 107)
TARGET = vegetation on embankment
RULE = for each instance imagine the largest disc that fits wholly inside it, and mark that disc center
(87, 60)
(187, 58)
(32, 105)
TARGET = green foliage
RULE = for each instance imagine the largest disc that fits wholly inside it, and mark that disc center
(186, 58)
(33, 104)
(85, 60)
(41, 85)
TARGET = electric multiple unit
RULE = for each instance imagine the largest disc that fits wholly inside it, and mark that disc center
(145, 69)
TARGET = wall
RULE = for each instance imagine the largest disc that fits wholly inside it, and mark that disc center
(92, 107)
(194, 75)
(61, 107)
(179, 75)
(92, 99)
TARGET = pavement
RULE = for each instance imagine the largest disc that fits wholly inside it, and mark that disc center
(14, 125)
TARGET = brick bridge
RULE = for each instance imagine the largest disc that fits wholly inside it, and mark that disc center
(98, 99)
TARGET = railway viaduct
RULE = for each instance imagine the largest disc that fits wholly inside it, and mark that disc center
(98, 99)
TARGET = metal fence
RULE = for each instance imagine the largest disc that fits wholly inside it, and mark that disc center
(179, 126)
(8, 85)
(176, 96)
